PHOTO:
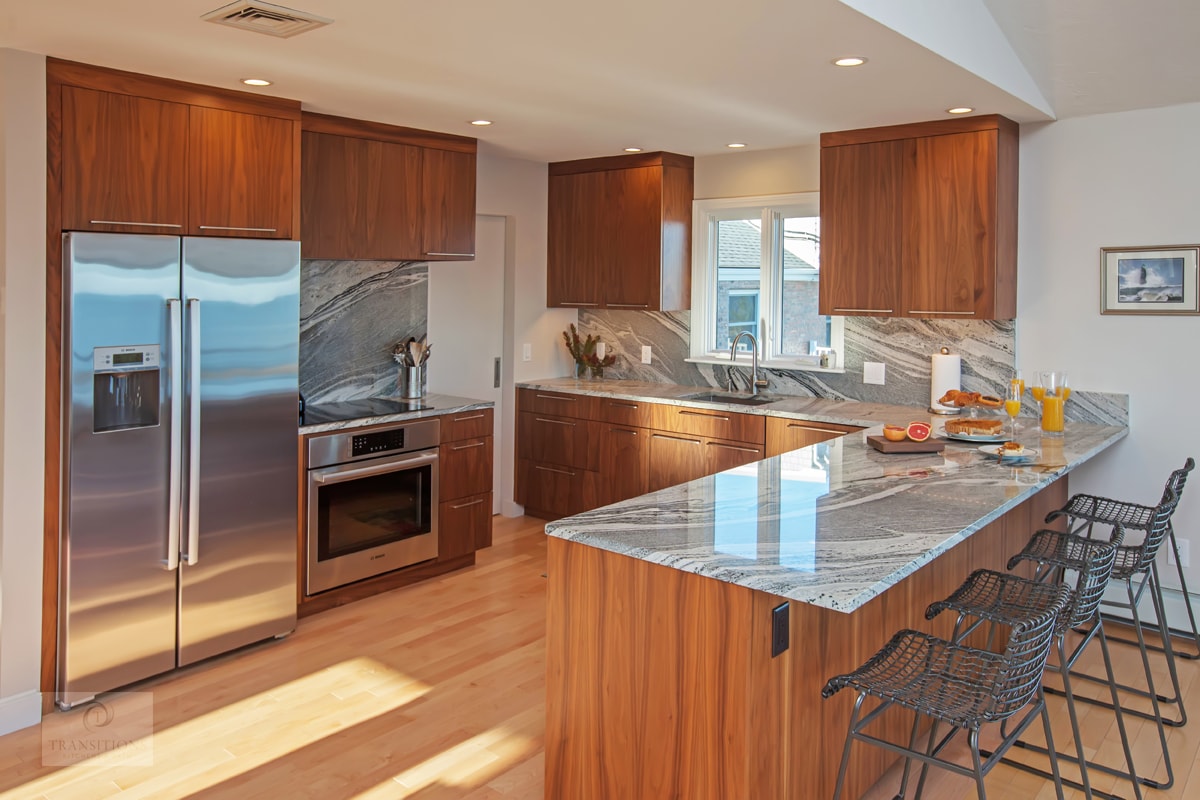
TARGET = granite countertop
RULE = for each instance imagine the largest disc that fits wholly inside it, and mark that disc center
(437, 405)
(834, 524)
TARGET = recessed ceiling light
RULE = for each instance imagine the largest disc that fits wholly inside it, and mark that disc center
(736, 145)
(850, 61)
(481, 122)
(633, 149)
(256, 82)
(959, 110)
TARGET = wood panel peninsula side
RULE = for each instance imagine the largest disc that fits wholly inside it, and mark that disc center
(660, 676)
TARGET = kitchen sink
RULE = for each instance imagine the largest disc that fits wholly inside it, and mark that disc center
(729, 397)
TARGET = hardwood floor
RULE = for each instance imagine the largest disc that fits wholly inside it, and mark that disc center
(430, 691)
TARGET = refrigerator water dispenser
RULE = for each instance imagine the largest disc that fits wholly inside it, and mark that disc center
(125, 387)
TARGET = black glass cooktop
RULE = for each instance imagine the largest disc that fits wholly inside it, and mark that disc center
(318, 414)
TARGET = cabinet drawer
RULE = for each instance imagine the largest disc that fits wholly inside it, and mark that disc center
(784, 435)
(550, 491)
(467, 424)
(557, 440)
(465, 467)
(711, 423)
(557, 403)
(635, 413)
(464, 525)
(675, 459)
(720, 456)
(624, 462)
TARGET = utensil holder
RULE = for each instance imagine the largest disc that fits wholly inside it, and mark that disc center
(412, 381)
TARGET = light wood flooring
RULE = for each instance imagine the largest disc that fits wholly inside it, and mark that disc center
(430, 691)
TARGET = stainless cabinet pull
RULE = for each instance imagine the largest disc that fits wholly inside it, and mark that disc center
(812, 428)
(232, 228)
(962, 313)
(143, 224)
(456, 255)
(555, 397)
(628, 305)
(480, 443)
(732, 447)
(622, 405)
(559, 471)
(473, 416)
(192, 556)
(570, 303)
(554, 421)
(175, 472)
(474, 502)
(864, 310)
(675, 438)
(622, 430)
(702, 414)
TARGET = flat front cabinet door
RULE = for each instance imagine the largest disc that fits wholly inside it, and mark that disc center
(633, 263)
(243, 586)
(578, 241)
(117, 598)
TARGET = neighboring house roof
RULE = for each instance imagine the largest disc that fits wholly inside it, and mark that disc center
(738, 248)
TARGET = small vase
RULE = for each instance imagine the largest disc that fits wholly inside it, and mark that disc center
(581, 371)
(597, 373)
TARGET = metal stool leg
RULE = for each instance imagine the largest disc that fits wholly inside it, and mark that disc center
(841, 778)
(1194, 634)
(1058, 787)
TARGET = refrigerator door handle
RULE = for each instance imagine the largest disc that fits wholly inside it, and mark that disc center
(192, 554)
(175, 478)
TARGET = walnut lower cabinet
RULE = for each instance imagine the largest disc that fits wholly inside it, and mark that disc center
(785, 434)
(465, 484)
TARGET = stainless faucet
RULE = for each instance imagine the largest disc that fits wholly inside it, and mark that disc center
(756, 382)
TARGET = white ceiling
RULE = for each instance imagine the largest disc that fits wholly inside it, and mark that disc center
(570, 80)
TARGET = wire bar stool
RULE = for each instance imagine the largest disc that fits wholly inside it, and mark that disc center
(1133, 563)
(997, 598)
(1136, 517)
(962, 686)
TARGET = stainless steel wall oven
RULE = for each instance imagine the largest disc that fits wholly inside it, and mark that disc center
(372, 502)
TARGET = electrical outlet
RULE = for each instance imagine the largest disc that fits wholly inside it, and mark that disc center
(780, 639)
(646, 354)
(1184, 554)
(527, 352)
(873, 372)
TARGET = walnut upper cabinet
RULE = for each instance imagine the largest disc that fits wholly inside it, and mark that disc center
(920, 220)
(375, 191)
(620, 233)
(139, 154)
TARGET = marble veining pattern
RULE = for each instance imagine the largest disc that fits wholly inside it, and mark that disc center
(905, 345)
(351, 313)
(834, 524)
(442, 404)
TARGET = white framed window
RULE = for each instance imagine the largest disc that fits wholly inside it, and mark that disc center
(760, 256)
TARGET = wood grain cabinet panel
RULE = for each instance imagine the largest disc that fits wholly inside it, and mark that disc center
(784, 435)
(635, 413)
(550, 491)
(124, 163)
(711, 423)
(448, 205)
(464, 525)
(240, 180)
(624, 463)
(619, 232)
(675, 459)
(467, 425)
(465, 467)
(558, 440)
(579, 406)
(720, 456)
(921, 220)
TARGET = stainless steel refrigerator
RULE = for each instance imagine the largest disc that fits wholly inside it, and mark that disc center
(179, 479)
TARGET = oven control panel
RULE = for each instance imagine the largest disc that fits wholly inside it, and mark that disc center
(377, 442)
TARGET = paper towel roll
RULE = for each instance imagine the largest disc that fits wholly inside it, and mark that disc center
(946, 375)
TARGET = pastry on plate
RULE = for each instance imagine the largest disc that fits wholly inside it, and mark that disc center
(1012, 449)
(975, 426)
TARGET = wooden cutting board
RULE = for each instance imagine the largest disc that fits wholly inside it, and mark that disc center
(907, 446)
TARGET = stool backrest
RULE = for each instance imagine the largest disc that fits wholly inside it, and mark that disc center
(1178, 479)
(1098, 557)
(1026, 654)
(1160, 523)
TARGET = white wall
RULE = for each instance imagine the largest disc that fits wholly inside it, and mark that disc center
(759, 172)
(516, 189)
(22, 381)
(1114, 180)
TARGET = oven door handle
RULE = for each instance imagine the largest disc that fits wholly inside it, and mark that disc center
(378, 469)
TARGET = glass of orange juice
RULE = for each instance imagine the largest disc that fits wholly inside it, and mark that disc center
(1053, 384)
(1039, 386)
(1012, 403)
(1018, 379)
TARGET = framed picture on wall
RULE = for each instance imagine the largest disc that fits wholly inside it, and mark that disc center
(1149, 280)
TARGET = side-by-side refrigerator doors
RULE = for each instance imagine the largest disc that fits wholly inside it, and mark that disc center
(241, 323)
(117, 618)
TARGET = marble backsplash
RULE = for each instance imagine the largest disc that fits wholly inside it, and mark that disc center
(904, 345)
(351, 313)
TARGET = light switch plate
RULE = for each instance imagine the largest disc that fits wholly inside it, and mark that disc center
(873, 372)
(527, 352)
(646, 354)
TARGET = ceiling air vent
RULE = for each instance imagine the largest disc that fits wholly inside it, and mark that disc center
(266, 18)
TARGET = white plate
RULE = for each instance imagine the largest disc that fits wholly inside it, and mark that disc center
(993, 450)
(971, 437)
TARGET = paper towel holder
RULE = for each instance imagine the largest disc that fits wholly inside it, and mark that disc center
(934, 406)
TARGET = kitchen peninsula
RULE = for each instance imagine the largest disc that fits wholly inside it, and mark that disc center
(664, 610)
